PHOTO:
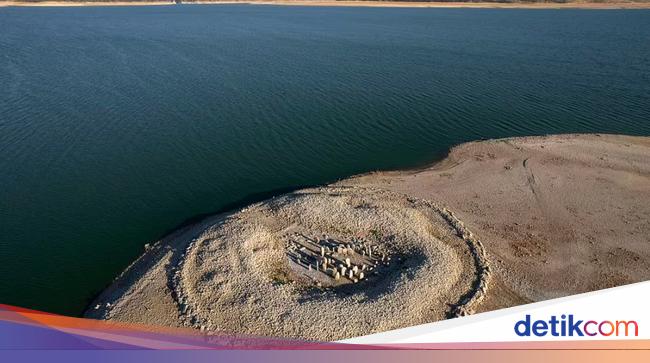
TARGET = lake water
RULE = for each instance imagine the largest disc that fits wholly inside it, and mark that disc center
(119, 124)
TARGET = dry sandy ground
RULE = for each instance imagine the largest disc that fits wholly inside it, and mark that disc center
(556, 216)
(414, 4)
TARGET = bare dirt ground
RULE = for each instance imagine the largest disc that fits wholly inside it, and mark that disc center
(558, 215)
(497, 223)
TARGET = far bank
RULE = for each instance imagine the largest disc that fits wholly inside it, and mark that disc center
(345, 3)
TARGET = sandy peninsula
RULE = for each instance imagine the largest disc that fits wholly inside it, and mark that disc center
(496, 223)
(351, 3)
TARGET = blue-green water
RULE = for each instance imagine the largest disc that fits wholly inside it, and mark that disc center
(118, 124)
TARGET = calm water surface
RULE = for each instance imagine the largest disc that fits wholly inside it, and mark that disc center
(118, 124)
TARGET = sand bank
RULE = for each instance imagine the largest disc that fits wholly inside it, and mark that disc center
(403, 4)
(497, 223)
(82, 3)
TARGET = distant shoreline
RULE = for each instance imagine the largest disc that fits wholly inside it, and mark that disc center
(395, 4)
